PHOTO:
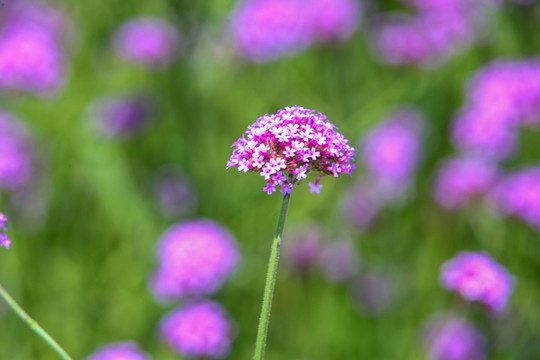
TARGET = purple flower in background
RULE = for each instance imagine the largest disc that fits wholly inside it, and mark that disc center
(334, 20)
(285, 147)
(174, 193)
(148, 41)
(372, 293)
(462, 179)
(392, 151)
(361, 205)
(199, 330)
(195, 259)
(15, 153)
(119, 351)
(264, 30)
(4, 239)
(31, 55)
(303, 249)
(339, 261)
(122, 116)
(518, 195)
(477, 277)
(454, 339)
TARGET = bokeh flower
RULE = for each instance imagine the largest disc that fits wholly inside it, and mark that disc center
(334, 20)
(518, 195)
(195, 259)
(391, 152)
(4, 239)
(462, 179)
(148, 41)
(174, 193)
(303, 248)
(199, 330)
(285, 147)
(454, 339)
(360, 205)
(15, 153)
(477, 277)
(122, 116)
(128, 350)
(339, 261)
(372, 293)
(31, 54)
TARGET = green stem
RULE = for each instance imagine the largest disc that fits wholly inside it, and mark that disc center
(33, 324)
(270, 282)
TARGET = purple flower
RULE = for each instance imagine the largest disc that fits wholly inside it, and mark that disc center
(339, 261)
(4, 240)
(392, 150)
(518, 195)
(264, 30)
(149, 41)
(31, 57)
(334, 20)
(122, 116)
(373, 293)
(174, 193)
(454, 339)
(195, 258)
(361, 205)
(462, 179)
(477, 277)
(15, 153)
(285, 147)
(119, 351)
(199, 330)
(303, 249)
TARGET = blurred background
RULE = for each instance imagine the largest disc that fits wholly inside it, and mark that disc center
(116, 122)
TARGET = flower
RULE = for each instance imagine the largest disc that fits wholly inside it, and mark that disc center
(174, 193)
(518, 195)
(4, 240)
(454, 339)
(361, 204)
(303, 249)
(285, 147)
(122, 116)
(15, 153)
(334, 20)
(31, 57)
(128, 350)
(391, 151)
(339, 261)
(199, 330)
(195, 258)
(463, 178)
(477, 277)
(146, 40)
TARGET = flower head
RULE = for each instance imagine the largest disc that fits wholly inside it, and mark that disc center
(477, 277)
(149, 41)
(454, 339)
(15, 153)
(119, 351)
(199, 330)
(195, 258)
(4, 240)
(284, 147)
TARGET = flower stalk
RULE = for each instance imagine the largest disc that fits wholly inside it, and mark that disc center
(33, 324)
(271, 275)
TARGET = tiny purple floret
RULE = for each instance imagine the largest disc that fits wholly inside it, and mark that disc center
(4, 240)
(200, 330)
(284, 147)
(477, 277)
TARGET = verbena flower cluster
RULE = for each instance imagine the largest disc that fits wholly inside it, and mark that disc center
(4, 239)
(122, 116)
(15, 153)
(148, 41)
(500, 97)
(477, 277)
(31, 54)
(518, 194)
(199, 330)
(119, 351)
(454, 338)
(264, 30)
(284, 147)
(195, 259)
(463, 179)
